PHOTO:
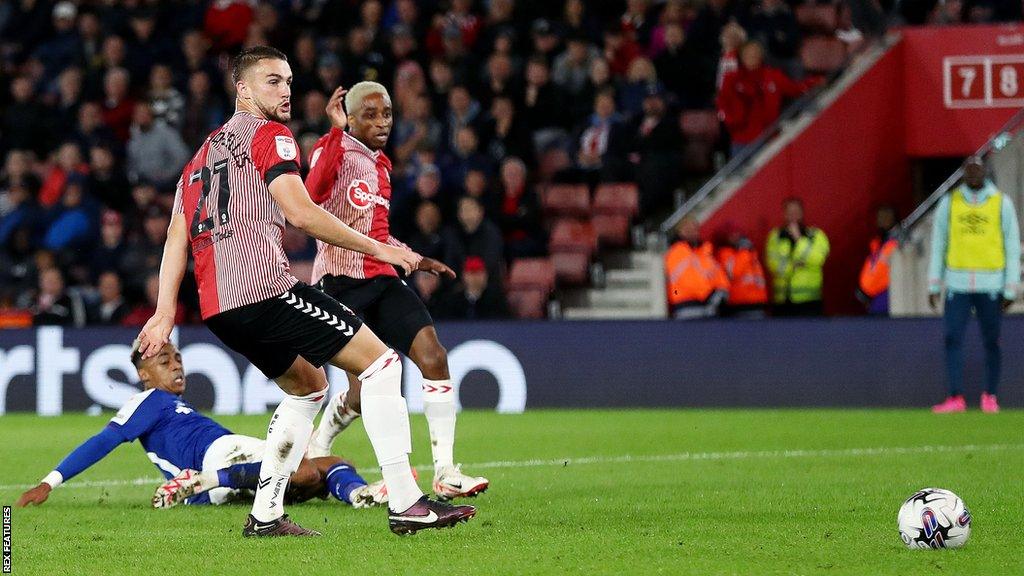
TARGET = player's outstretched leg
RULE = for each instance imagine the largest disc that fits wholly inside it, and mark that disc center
(439, 407)
(386, 419)
(288, 435)
(337, 416)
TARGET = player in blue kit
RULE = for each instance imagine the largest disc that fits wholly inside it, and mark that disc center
(198, 456)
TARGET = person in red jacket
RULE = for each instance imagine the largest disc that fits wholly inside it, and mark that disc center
(752, 97)
(873, 289)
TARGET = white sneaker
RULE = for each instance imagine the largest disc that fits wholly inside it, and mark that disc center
(176, 490)
(450, 482)
(369, 495)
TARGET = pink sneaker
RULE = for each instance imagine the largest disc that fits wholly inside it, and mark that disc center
(989, 404)
(951, 404)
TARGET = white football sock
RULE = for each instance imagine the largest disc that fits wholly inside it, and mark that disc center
(336, 419)
(209, 479)
(386, 419)
(439, 408)
(287, 437)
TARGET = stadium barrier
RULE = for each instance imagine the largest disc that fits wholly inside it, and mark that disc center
(514, 365)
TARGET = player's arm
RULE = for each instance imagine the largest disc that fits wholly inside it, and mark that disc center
(88, 453)
(290, 194)
(328, 152)
(172, 269)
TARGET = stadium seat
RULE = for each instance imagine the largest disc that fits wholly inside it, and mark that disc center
(817, 18)
(612, 230)
(568, 235)
(621, 198)
(566, 200)
(571, 268)
(822, 55)
(532, 274)
(529, 303)
(702, 125)
(697, 157)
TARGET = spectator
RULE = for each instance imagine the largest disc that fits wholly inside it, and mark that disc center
(619, 51)
(543, 106)
(505, 133)
(572, 67)
(636, 22)
(25, 125)
(72, 222)
(578, 22)
(733, 37)
(52, 304)
(195, 49)
(639, 81)
(600, 80)
(748, 289)
(751, 99)
(500, 80)
(518, 213)
(314, 115)
(677, 70)
(143, 311)
(696, 285)
(772, 25)
(410, 84)
(676, 15)
(143, 254)
(545, 40)
(144, 47)
(796, 255)
(873, 288)
(18, 209)
(426, 238)
(464, 157)
(117, 104)
(659, 142)
(604, 142)
(91, 130)
(107, 181)
(166, 102)
(110, 309)
(427, 189)
(109, 254)
(69, 96)
(64, 46)
(464, 111)
(416, 126)
(975, 257)
(204, 111)
(474, 235)
(67, 163)
(475, 185)
(156, 152)
(474, 298)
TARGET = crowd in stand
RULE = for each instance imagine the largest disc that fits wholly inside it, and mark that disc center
(493, 99)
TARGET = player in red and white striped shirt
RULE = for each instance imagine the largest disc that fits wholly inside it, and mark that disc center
(230, 209)
(351, 178)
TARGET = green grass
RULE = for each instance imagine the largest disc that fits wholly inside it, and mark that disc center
(749, 508)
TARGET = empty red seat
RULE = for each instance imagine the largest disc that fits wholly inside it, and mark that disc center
(571, 268)
(612, 230)
(530, 303)
(822, 54)
(569, 235)
(700, 125)
(532, 274)
(566, 200)
(620, 198)
(820, 18)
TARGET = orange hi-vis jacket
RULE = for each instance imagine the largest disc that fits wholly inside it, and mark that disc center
(747, 283)
(692, 274)
(874, 275)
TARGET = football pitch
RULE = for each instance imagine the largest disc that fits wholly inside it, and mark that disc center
(572, 492)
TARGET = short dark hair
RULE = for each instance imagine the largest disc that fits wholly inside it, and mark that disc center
(250, 57)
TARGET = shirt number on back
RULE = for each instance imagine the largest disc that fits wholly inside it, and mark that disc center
(220, 169)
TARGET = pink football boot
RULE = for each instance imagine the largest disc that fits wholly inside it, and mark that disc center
(989, 404)
(950, 405)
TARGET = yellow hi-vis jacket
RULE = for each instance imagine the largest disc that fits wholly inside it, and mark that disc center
(797, 269)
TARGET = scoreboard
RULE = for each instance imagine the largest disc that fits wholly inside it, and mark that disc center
(993, 81)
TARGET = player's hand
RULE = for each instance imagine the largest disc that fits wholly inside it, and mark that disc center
(436, 267)
(405, 259)
(36, 495)
(933, 301)
(155, 333)
(336, 109)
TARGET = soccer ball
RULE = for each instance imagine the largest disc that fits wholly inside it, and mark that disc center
(934, 518)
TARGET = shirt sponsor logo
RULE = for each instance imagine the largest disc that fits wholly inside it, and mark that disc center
(360, 196)
(285, 147)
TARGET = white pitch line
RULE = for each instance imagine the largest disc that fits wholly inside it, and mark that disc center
(626, 459)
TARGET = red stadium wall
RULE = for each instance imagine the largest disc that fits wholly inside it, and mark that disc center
(855, 155)
(843, 166)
